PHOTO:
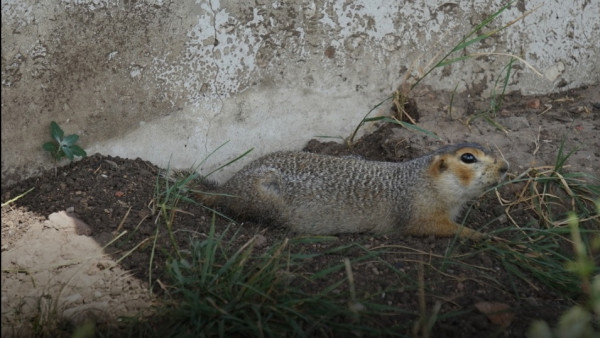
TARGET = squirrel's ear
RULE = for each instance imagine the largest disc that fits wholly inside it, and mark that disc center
(438, 165)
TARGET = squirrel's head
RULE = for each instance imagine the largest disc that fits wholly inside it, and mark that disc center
(464, 171)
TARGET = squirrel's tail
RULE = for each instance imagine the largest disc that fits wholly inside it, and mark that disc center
(194, 186)
(206, 192)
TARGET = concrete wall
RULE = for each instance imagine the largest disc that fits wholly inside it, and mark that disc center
(172, 80)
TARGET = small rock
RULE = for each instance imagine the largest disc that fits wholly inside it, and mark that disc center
(533, 104)
(505, 113)
(356, 306)
(532, 222)
(498, 210)
(92, 311)
(498, 313)
(144, 213)
(503, 219)
(112, 163)
(515, 122)
(72, 299)
(485, 260)
(69, 222)
(260, 241)
(115, 291)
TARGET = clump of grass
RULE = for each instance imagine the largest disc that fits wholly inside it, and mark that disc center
(582, 320)
(218, 290)
(540, 249)
(550, 192)
(171, 189)
(167, 196)
(400, 97)
(495, 100)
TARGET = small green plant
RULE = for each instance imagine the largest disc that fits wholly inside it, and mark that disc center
(582, 319)
(62, 146)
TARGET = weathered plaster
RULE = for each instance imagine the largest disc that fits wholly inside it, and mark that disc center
(173, 80)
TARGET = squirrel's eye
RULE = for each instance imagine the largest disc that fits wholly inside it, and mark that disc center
(468, 158)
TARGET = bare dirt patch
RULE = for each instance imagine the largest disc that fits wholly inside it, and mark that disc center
(55, 277)
(61, 244)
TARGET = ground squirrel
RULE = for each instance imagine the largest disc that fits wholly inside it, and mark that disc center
(320, 194)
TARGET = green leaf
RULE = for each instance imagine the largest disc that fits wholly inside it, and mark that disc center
(50, 146)
(56, 132)
(68, 153)
(78, 151)
(472, 41)
(70, 140)
(60, 154)
(230, 162)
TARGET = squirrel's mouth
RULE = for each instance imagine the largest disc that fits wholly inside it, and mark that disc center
(501, 173)
(497, 179)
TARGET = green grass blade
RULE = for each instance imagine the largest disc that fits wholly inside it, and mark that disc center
(464, 43)
(351, 138)
(16, 198)
(212, 153)
(403, 124)
(230, 162)
(453, 60)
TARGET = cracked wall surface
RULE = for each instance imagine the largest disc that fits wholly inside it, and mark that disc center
(170, 81)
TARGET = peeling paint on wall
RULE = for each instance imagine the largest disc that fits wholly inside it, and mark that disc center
(218, 57)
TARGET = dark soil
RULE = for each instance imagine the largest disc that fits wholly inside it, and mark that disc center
(114, 194)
